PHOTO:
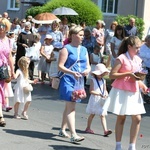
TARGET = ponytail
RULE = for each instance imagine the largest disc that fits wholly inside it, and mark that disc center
(131, 40)
(123, 47)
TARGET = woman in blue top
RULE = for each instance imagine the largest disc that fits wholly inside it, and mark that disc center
(75, 56)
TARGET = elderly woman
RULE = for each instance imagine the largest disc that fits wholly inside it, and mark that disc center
(145, 56)
(42, 30)
(56, 34)
(74, 63)
(25, 39)
(5, 58)
(98, 33)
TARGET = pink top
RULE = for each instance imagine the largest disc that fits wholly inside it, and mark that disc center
(4, 54)
(99, 35)
(66, 41)
(126, 83)
(5, 48)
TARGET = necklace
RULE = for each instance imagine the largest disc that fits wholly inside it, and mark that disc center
(135, 67)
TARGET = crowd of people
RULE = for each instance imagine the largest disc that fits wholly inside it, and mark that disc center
(77, 52)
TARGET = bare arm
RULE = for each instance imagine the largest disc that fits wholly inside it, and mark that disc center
(114, 74)
(91, 59)
(92, 91)
(42, 52)
(88, 67)
(112, 50)
(10, 62)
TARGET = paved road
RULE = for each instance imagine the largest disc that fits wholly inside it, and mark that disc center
(40, 132)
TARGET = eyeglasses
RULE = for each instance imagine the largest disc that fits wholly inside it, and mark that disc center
(2, 26)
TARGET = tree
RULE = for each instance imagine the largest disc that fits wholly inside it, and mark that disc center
(88, 11)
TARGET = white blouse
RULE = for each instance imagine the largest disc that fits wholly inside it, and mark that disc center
(144, 54)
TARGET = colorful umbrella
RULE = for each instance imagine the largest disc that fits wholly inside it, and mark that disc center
(45, 18)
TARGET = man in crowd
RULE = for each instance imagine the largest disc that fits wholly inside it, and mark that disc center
(130, 29)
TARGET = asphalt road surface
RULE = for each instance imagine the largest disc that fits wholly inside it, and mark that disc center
(40, 132)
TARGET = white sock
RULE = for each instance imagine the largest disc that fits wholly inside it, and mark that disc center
(118, 146)
(131, 146)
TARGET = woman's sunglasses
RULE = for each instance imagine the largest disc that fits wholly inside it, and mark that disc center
(2, 26)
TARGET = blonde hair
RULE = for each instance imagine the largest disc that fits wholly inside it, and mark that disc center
(75, 29)
(55, 22)
(37, 36)
(113, 23)
(23, 65)
(7, 23)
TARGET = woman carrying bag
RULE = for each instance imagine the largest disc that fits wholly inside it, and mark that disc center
(5, 59)
(25, 39)
(68, 56)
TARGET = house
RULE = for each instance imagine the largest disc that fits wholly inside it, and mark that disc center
(110, 9)
(17, 8)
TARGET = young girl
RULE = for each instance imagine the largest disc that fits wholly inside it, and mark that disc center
(37, 47)
(98, 93)
(95, 58)
(54, 62)
(125, 96)
(20, 96)
(44, 63)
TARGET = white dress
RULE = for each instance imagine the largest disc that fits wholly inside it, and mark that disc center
(122, 102)
(96, 58)
(54, 64)
(37, 47)
(19, 95)
(108, 35)
(43, 65)
(95, 103)
(117, 43)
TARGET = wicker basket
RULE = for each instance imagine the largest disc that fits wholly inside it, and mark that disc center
(142, 75)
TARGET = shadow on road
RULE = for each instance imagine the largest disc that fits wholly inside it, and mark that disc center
(33, 134)
(60, 147)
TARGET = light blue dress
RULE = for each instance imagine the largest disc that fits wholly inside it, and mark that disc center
(68, 81)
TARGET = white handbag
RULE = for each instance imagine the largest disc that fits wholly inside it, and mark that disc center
(27, 88)
(32, 53)
(56, 78)
(55, 82)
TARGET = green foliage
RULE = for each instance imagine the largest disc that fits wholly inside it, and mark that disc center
(33, 11)
(88, 11)
(124, 20)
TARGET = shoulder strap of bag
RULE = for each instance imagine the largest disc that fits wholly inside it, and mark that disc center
(78, 51)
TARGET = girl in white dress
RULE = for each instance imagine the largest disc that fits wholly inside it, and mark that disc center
(54, 62)
(20, 96)
(98, 95)
(44, 63)
(95, 58)
(109, 33)
(115, 42)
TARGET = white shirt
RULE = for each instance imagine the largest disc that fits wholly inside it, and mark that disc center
(145, 55)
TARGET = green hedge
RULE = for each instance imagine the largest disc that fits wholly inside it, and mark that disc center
(124, 20)
(88, 11)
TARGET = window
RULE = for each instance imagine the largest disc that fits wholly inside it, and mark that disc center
(13, 4)
(108, 6)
